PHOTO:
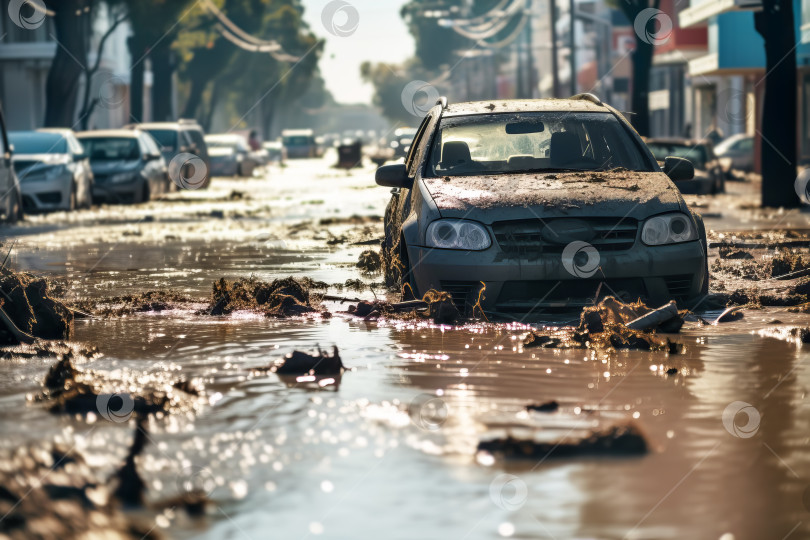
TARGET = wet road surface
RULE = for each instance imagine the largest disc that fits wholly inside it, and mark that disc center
(388, 450)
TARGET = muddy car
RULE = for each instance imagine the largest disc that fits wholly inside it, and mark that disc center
(543, 204)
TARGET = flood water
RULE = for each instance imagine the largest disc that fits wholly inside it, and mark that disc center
(389, 449)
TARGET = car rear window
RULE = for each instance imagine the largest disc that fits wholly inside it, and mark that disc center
(534, 142)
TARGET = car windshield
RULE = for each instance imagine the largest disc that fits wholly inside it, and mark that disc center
(695, 154)
(533, 142)
(230, 144)
(111, 148)
(298, 141)
(166, 138)
(38, 143)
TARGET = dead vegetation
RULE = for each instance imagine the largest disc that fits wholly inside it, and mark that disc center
(146, 302)
(28, 311)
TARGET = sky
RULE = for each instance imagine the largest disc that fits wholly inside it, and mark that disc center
(366, 30)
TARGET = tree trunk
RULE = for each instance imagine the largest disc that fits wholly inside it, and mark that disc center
(62, 86)
(162, 84)
(194, 100)
(642, 64)
(779, 110)
(137, 51)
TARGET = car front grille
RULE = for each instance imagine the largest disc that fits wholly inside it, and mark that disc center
(679, 286)
(50, 197)
(464, 293)
(526, 296)
(533, 237)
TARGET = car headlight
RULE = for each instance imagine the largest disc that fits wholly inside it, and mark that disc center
(120, 178)
(55, 171)
(458, 234)
(668, 229)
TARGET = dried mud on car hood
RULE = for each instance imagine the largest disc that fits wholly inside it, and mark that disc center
(634, 194)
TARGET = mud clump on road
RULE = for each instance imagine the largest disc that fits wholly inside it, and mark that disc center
(28, 311)
(69, 390)
(287, 297)
(49, 492)
(146, 302)
(370, 262)
(615, 441)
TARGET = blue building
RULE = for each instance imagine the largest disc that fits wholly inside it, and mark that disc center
(728, 82)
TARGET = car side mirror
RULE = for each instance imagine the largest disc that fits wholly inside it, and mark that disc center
(395, 176)
(79, 156)
(678, 169)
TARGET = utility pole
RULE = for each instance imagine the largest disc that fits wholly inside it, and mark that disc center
(530, 80)
(572, 45)
(555, 68)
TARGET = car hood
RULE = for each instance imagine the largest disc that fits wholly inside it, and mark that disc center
(571, 194)
(109, 167)
(45, 159)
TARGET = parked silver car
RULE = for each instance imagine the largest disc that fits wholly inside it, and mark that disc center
(127, 165)
(53, 170)
(230, 155)
(736, 153)
(546, 203)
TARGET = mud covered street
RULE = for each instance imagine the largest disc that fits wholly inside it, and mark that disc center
(434, 431)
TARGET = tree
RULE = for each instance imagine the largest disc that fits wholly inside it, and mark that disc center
(71, 20)
(642, 56)
(778, 150)
(88, 103)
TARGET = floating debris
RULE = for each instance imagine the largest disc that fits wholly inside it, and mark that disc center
(547, 407)
(27, 311)
(301, 363)
(616, 441)
(287, 297)
(370, 261)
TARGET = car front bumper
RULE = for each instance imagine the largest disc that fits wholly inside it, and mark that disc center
(124, 192)
(43, 194)
(514, 285)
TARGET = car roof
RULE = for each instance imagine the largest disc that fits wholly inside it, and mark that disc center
(186, 124)
(498, 106)
(121, 133)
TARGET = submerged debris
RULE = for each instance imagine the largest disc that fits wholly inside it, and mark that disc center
(616, 441)
(301, 363)
(49, 492)
(149, 301)
(67, 389)
(27, 310)
(282, 298)
(613, 324)
(547, 407)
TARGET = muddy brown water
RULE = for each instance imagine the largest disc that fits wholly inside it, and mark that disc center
(388, 449)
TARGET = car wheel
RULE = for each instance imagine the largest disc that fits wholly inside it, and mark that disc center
(145, 194)
(409, 292)
(15, 208)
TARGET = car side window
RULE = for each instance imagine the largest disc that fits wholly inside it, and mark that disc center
(414, 156)
(745, 145)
